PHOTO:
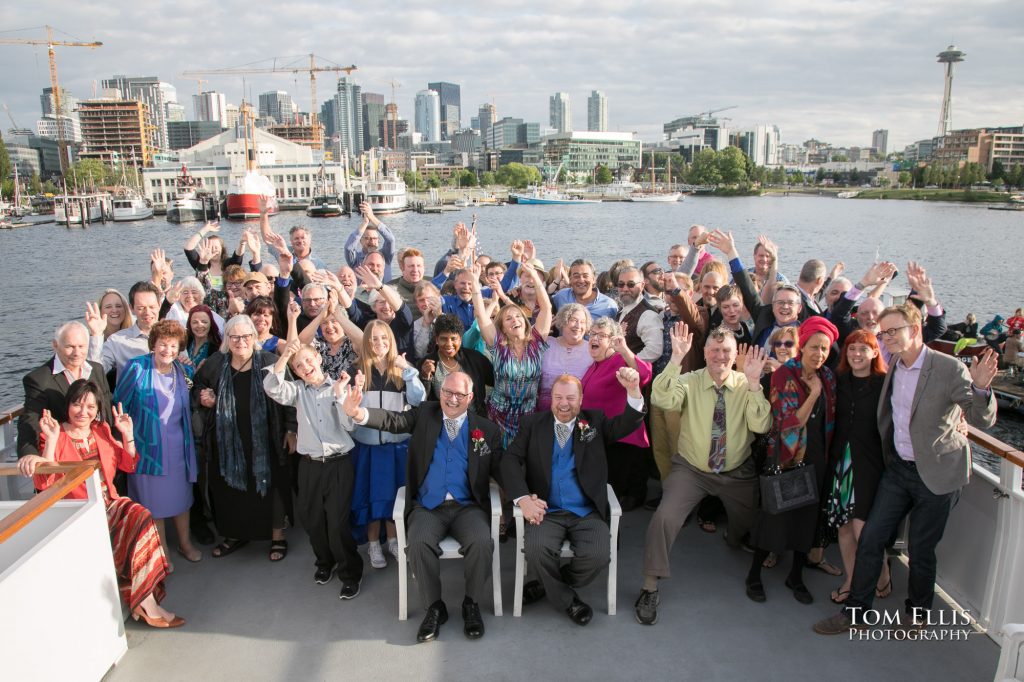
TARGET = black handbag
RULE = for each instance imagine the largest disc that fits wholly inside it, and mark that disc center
(793, 488)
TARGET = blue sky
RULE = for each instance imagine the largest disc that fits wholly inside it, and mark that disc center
(830, 70)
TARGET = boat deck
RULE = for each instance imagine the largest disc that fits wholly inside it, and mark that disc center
(251, 619)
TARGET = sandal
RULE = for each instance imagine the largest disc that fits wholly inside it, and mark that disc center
(227, 547)
(825, 567)
(839, 596)
(707, 526)
(278, 548)
(770, 560)
(883, 592)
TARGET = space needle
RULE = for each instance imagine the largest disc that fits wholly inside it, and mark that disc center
(949, 57)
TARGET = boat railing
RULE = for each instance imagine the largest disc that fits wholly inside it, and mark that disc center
(74, 474)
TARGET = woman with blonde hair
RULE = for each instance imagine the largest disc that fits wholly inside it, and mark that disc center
(115, 306)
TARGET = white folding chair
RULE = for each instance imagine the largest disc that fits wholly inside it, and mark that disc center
(613, 529)
(449, 550)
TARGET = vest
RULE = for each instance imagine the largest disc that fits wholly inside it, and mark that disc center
(629, 322)
(566, 494)
(448, 470)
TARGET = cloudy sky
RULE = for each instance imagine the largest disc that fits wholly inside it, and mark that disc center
(830, 70)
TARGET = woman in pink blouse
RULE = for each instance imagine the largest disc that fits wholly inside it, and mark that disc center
(567, 352)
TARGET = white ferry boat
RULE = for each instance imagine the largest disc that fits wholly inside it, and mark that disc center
(74, 209)
(130, 205)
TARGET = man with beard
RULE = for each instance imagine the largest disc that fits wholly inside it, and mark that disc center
(639, 319)
(583, 290)
(372, 236)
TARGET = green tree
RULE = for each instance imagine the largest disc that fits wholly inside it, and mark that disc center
(49, 187)
(487, 179)
(35, 184)
(603, 175)
(905, 178)
(410, 179)
(433, 180)
(998, 171)
(563, 175)
(5, 165)
(797, 178)
(518, 175)
(819, 176)
(732, 165)
(704, 169)
(855, 177)
(91, 172)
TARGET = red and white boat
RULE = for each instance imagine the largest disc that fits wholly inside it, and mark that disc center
(245, 191)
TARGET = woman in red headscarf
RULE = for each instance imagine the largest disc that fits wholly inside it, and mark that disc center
(803, 398)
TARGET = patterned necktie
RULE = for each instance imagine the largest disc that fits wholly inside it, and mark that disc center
(716, 457)
(452, 427)
(562, 432)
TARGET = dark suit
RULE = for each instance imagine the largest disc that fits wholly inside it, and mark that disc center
(469, 524)
(532, 448)
(45, 390)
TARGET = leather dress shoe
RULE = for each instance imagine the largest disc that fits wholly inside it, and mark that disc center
(430, 628)
(800, 592)
(579, 612)
(473, 622)
(533, 592)
(755, 591)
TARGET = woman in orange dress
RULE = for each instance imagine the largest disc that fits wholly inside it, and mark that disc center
(138, 556)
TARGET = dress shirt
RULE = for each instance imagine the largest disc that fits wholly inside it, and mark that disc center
(355, 255)
(453, 305)
(650, 330)
(121, 347)
(59, 367)
(904, 385)
(602, 306)
(693, 395)
(324, 428)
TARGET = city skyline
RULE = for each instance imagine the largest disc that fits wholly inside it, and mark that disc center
(834, 72)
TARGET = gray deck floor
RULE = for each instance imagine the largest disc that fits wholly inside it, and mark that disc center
(250, 619)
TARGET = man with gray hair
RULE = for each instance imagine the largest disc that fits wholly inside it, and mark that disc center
(47, 386)
(640, 322)
(314, 298)
(810, 282)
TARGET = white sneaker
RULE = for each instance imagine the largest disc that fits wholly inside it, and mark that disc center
(393, 547)
(377, 559)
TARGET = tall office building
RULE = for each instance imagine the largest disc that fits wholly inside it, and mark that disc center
(175, 112)
(450, 96)
(487, 115)
(211, 106)
(761, 144)
(880, 141)
(561, 115)
(278, 105)
(152, 92)
(428, 115)
(232, 115)
(597, 112)
(68, 102)
(117, 130)
(348, 117)
(373, 114)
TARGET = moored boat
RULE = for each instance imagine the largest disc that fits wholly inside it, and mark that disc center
(325, 202)
(246, 191)
(74, 209)
(131, 205)
(547, 195)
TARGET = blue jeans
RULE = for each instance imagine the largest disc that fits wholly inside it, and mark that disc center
(901, 491)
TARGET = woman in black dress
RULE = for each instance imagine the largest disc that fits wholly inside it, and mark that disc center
(241, 436)
(856, 452)
(803, 408)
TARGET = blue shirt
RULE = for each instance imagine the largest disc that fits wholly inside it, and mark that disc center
(602, 306)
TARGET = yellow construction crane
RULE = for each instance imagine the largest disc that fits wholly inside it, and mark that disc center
(312, 69)
(391, 112)
(58, 108)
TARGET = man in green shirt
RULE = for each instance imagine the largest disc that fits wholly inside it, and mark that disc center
(720, 410)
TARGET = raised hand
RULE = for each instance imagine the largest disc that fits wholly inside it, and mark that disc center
(629, 379)
(769, 246)
(754, 359)
(49, 426)
(529, 250)
(367, 277)
(275, 240)
(236, 304)
(252, 240)
(123, 420)
(358, 380)
(427, 370)
(157, 263)
(291, 348)
(618, 344)
(352, 402)
(983, 370)
(921, 283)
(461, 235)
(454, 263)
(94, 320)
(517, 250)
(285, 263)
(174, 293)
(210, 226)
(723, 241)
(876, 274)
(401, 362)
(262, 203)
(682, 340)
(340, 385)
(294, 310)
(741, 356)
(837, 270)
(205, 249)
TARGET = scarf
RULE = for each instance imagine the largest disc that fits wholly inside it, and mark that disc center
(229, 443)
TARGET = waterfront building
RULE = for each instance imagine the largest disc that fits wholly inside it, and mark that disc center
(958, 147)
(348, 117)
(25, 159)
(46, 147)
(174, 112)
(47, 127)
(68, 102)
(511, 131)
(880, 141)
(560, 112)
(185, 134)
(373, 115)
(486, 117)
(392, 129)
(581, 152)
(278, 105)
(761, 144)
(689, 135)
(450, 100)
(792, 155)
(983, 146)
(428, 115)
(116, 130)
(467, 141)
(1005, 145)
(154, 93)
(597, 112)
(919, 152)
(210, 106)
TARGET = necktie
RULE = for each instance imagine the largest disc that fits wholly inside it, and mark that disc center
(452, 427)
(716, 456)
(562, 432)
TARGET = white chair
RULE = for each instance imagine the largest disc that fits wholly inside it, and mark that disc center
(613, 529)
(449, 550)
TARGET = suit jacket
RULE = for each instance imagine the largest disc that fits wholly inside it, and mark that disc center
(425, 424)
(533, 445)
(943, 393)
(45, 390)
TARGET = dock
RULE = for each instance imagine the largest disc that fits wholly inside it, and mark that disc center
(1010, 387)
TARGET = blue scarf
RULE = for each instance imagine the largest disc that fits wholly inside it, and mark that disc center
(229, 442)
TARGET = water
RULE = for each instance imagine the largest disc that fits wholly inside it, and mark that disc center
(50, 271)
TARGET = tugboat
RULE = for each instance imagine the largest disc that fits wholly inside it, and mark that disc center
(191, 203)
(129, 204)
(245, 192)
(324, 204)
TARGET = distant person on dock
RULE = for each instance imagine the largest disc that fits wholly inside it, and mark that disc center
(928, 461)
(583, 290)
(371, 236)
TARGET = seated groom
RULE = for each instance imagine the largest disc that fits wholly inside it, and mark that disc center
(556, 471)
(452, 455)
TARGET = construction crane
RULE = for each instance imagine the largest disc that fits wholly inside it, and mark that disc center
(58, 105)
(391, 112)
(709, 113)
(10, 116)
(312, 69)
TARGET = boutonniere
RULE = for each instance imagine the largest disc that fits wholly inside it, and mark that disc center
(587, 432)
(480, 446)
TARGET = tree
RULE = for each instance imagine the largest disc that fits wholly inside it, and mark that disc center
(49, 187)
(855, 177)
(410, 179)
(433, 180)
(603, 175)
(797, 178)
(732, 165)
(91, 172)
(5, 166)
(517, 175)
(35, 184)
(820, 175)
(905, 178)
(998, 171)
(487, 179)
(563, 175)
(704, 169)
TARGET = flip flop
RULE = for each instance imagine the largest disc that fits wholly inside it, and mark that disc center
(883, 592)
(770, 560)
(707, 526)
(839, 596)
(228, 547)
(825, 567)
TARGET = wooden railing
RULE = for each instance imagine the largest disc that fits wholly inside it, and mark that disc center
(75, 473)
(996, 446)
(9, 414)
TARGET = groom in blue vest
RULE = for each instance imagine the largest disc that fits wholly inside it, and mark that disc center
(453, 453)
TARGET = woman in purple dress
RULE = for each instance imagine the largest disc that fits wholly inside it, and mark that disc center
(566, 353)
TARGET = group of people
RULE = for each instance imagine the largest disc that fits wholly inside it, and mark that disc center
(253, 395)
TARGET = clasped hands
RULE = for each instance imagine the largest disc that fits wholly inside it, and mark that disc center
(533, 509)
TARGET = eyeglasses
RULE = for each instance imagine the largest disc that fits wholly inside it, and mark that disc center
(316, 301)
(628, 285)
(601, 336)
(783, 344)
(454, 394)
(239, 338)
(655, 271)
(892, 332)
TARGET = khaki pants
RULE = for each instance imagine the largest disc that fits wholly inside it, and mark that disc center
(664, 438)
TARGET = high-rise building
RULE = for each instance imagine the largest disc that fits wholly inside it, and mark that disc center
(47, 127)
(487, 115)
(68, 102)
(391, 128)
(278, 105)
(428, 115)
(450, 96)
(373, 114)
(232, 115)
(597, 112)
(761, 144)
(115, 130)
(211, 106)
(151, 91)
(348, 117)
(560, 113)
(174, 112)
(880, 141)
(691, 134)
(185, 134)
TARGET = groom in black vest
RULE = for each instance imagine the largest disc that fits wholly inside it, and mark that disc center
(556, 471)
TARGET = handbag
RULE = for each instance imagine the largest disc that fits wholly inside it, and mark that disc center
(793, 488)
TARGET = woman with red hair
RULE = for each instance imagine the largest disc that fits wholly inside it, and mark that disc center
(856, 452)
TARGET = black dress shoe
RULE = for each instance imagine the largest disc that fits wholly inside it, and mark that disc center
(473, 622)
(533, 592)
(800, 592)
(755, 591)
(580, 612)
(430, 628)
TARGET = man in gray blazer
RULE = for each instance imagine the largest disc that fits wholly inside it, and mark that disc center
(924, 398)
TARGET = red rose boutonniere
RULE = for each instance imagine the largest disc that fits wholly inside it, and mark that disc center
(587, 432)
(479, 443)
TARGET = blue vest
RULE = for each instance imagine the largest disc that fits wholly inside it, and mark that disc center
(448, 471)
(566, 494)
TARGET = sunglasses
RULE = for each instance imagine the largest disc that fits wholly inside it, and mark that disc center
(783, 344)
(628, 285)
